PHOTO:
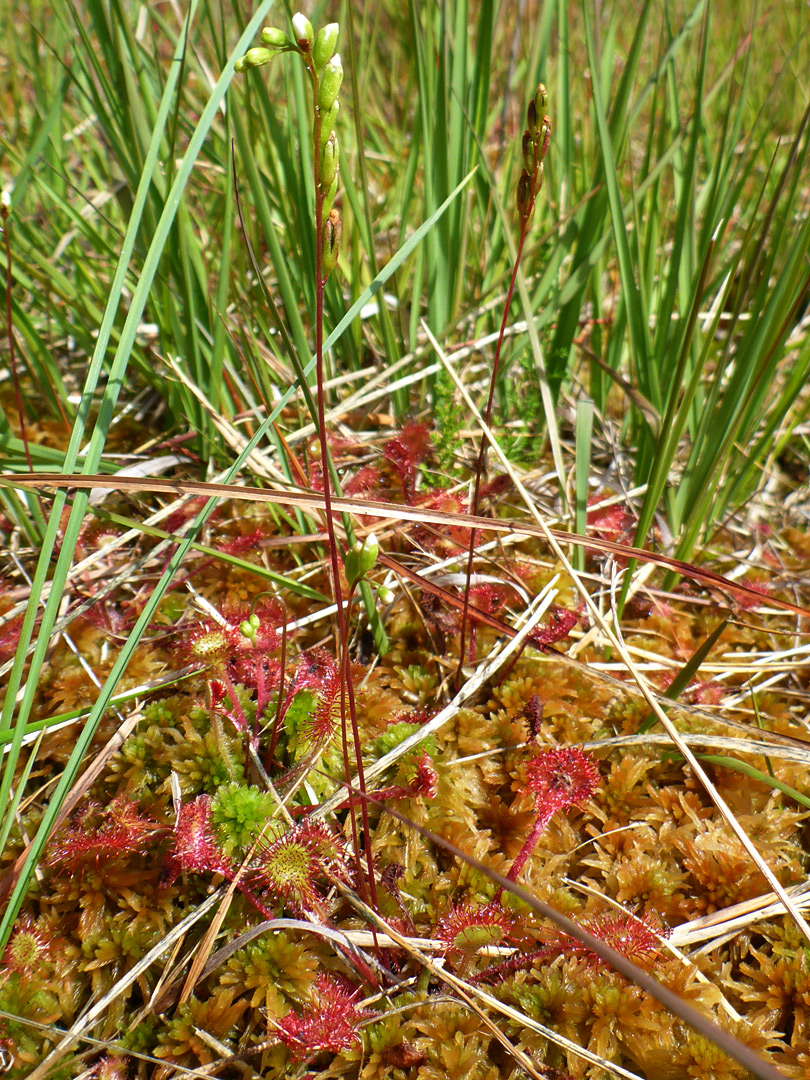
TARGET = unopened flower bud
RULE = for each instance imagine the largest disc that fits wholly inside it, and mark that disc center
(329, 198)
(385, 595)
(531, 118)
(275, 38)
(331, 78)
(361, 557)
(545, 132)
(302, 29)
(325, 44)
(255, 621)
(254, 58)
(538, 180)
(248, 630)
(331, 243)
(540, 100)
(328, 120)
(529, 152)
(329, 161)
(525, 194)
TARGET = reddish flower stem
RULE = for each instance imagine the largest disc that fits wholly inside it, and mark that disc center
(346, 688)
(280, 702)
(524, 853)
(482, 451)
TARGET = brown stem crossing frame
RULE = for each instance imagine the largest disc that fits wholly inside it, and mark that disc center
(394, 514)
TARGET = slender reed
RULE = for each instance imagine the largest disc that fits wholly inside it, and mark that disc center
(320, 57)
(535, 146)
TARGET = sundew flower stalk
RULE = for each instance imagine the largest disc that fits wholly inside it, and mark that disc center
(322, 61)
(535, 146)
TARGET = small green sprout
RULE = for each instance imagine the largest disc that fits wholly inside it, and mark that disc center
(360, 559)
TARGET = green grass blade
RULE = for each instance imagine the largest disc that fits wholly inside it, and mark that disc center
(687, 672)
(90, 462)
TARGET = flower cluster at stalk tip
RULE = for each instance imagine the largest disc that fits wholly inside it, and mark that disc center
(536, 138)
(319, 53)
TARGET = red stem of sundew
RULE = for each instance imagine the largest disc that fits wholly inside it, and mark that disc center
(12, 359)
(528, 847)
(482, 450)
(346, 688)
(279, 703)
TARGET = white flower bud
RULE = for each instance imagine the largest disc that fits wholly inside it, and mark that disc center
(325, 44)
(331, 78)
(302, 30)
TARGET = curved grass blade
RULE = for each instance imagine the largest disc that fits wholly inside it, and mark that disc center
(395, 513)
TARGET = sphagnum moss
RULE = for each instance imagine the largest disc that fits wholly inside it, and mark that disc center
(96, 920)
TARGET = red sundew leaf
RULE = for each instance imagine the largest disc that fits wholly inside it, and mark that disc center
(366, 481)
(315, 670)
(635, 937)
(451, 538)
(204, 643)
(497, 486)
(467, 927)
(661, 680)
(610, 522)
(707, 692)
(748, 603)
(186, 512)
(124, 832)
(10, 637)
(561, 623)
(238, 544)
(27, 949)
(290, 866)
(194, 848)
(412, 716)
(95, 535)
(425, 783)
(482, 597)
(323, 723)
(315, 476)
(329, 1024)
(109, 1067)
(559, 778)
(488, 598)
(405, 451)
(107, 616)
(630, 935)
(257, 670)
(126, 814)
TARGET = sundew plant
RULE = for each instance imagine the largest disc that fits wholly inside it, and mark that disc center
(404, 577)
